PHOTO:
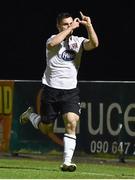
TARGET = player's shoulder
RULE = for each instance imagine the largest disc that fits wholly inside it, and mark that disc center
(50, 37)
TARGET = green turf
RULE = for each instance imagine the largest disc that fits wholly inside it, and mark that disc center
(24, 168)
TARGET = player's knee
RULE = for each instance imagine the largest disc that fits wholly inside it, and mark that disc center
(71, 120)
(46, 128)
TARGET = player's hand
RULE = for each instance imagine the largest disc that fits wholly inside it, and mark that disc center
(85, 20)
(75, 23)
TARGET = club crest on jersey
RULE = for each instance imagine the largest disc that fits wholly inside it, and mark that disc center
(73, 46)
(68, 55)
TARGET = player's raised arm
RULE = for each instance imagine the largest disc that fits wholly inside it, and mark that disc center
(92, 41)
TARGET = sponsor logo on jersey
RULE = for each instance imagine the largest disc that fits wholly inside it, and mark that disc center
(68, 55)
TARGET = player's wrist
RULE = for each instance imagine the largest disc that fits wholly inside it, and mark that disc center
(89, 25)
(71, 28)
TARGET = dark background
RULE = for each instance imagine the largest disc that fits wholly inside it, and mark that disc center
(26, 25)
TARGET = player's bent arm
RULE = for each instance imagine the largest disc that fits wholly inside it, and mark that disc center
(59, 38)
(92, 41)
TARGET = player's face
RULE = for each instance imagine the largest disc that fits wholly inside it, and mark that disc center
(65, 24)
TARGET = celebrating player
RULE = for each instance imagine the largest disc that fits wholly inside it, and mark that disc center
(60, 92)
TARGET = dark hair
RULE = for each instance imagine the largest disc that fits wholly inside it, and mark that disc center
(61, 16)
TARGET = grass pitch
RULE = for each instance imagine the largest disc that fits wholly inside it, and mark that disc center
(28, 168)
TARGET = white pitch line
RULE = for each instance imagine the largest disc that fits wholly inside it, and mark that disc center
(98, 174)
(102, 174)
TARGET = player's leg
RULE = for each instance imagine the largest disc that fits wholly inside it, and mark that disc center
(45, 120)
(45, 112)
(45, 128)
(71, 114)
(71, 120)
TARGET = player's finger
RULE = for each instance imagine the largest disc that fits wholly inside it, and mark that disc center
(77, 19)
(81, 14)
